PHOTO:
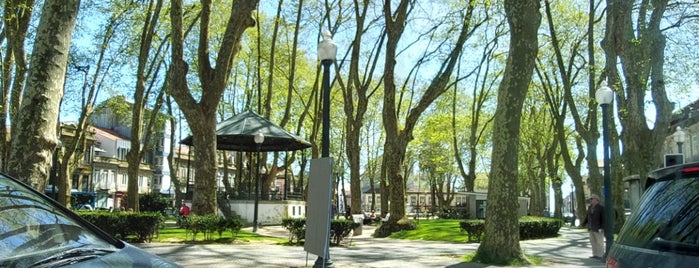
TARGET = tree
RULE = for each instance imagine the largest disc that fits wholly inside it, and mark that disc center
(399, 135)
(637, 53)
(501, 241)
(356, 94)
(72, 149)
(146, 68)
(16, 17)
(480, 117)
(201, 113)
(35, 137)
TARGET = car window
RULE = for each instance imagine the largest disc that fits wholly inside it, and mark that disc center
(668, 211)
(32, 228)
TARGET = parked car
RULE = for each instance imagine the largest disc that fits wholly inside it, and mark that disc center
(663, 230)
(36, 231)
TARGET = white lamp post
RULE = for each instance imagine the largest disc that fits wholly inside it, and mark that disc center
(604, 97)
(259, 139)
(679, 137)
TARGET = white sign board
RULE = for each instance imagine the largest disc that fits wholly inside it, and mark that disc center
(319, 206)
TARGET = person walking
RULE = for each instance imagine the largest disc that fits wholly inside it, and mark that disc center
(184, 214)
(595, 226)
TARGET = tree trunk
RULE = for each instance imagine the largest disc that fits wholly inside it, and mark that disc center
(397, 138)
(640, 51)
(35, 136)
(501, 241)
(174, 166)
(201, 115)
(17, 15)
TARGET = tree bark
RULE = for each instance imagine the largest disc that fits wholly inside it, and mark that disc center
(639, 52)
(201, 115)
(140, 100)
(35, 136)
(501, 240)
(355, 110)
(399, 135)
(17, 15)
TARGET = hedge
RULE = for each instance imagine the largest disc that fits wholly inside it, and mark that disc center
(124, 225)
(339, 229)
(530, 227)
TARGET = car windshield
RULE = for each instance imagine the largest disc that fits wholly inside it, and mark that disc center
(32, 228)
(668, 213)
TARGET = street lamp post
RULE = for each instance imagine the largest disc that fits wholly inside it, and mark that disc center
(327, 51)
(679, 137)
(418, 198)
(604, 97)
(259, 139)
(572, 203)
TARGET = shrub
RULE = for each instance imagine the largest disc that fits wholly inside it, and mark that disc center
(341, 228)
(538, 227)
(144, 225)
(529, 228)
(210, 224)
(233, 224)
(457, 213)
(387, 229)
(296, 228)
(153, 202)
(125, 224)
(474, 228)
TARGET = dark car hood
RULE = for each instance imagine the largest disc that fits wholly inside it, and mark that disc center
(129, 256)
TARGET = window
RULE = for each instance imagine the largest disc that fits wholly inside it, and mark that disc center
(121, 153)
(668, 211)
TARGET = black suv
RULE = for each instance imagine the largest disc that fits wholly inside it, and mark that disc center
(663, 229)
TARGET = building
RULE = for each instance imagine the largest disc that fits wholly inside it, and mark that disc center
(686, 144)
(110, 170)
(113, 117)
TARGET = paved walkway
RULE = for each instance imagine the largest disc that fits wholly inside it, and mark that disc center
(571, 249)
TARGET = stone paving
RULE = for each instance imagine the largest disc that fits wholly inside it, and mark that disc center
(571, 249)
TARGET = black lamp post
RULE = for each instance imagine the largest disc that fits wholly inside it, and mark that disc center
(679, 137)
(604, 97)
(572, 204)
(259, 139)
(327, 51)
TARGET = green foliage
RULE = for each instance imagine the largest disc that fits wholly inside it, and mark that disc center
(152, 203)
(210, 224)
(530, 227)
(386, 230)
(433, 230)
(474, 228)
(139, 227)
(339, 229)
(538, 227)
(296, 228)
(233, 224)
(454, 213)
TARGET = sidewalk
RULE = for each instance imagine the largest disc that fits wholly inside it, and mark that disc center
(571, 249)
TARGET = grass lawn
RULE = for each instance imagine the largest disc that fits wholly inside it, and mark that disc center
(435, 230)
(173, 234)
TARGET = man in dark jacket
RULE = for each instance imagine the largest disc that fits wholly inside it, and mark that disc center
(595, 226)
